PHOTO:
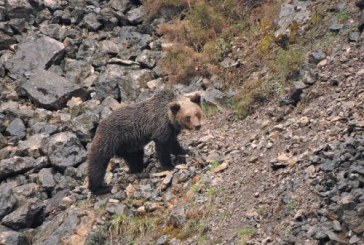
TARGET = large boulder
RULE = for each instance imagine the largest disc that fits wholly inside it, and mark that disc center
(7, 200)
(27, 215)
(50, 90)
(10, 237)
(65, 150)
(60, 230)
(34, 53)
(17, 165)
(84, 125)
(16, 128)
(18, 9)
(132, 42)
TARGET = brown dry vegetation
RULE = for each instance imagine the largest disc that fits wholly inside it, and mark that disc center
(206, 32)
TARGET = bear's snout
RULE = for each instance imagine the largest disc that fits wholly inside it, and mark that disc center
(197, 127)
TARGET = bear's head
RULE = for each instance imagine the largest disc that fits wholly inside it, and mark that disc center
(186, 112)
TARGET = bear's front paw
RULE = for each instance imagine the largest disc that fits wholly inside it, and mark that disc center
(167, 166)
(100, 190)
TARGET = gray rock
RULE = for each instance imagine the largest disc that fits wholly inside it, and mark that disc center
(43, 15)
(175, 241)
(18, 9)
(316, 56)
(229, 62)
(132, 42)
(328, 166)
(110, 47)
(82, 170)
(131, 83)
(50, 90)
(65, 150)
(108, 18)
(16, 128)
(162, 240)
(71, 172)
(34, 53)
(148, 58)
(10, 237)
(156, 45)
(7, 200)
(107, 83)
(354, 239)
(27, 215)
(90, 22)
(86, 50)
(18, 25)
(333, 237)
(55, 4)
(77, 70)
(292, 11)
(23, 192)
(335, 26)
(336, 225)
(351, 218)
(151, 206)
(117, 208)
(2, 13)
(167, 181)
(42, 127)
(55, 31)
(32, 146)
(177, 217)
(83, 125)
(17, 165)
(354, 37)
(55, 202)
(300, 85)
(121, 5)
(136, 16)
(60, 228)
(360, 208)
(45, 178)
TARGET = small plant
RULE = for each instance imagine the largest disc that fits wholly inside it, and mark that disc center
(209, 110)
(245, 234)
(212, 192)
(214, 165)
(260, 211)
(287, 61)
(342, 16)
(225, 215)
(97, 237)
(131, 227)
(291, 206)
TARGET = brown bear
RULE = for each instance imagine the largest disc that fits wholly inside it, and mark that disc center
(127, 130)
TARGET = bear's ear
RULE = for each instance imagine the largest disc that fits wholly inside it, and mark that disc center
(174, 107)
(196, 98)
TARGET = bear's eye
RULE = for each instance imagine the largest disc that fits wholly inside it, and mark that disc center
(187, 118)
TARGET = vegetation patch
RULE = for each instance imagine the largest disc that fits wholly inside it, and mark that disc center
(245, 234)
(131, 227)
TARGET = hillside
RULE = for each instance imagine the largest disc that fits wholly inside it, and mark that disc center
(280, 155)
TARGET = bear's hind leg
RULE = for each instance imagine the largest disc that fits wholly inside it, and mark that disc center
(134, 161)
(97, 164)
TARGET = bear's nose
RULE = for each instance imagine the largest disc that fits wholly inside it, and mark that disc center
(197, 127)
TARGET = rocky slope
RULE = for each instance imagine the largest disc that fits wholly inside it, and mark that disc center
(290, 173)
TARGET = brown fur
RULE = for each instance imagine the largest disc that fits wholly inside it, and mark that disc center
(127, 130)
